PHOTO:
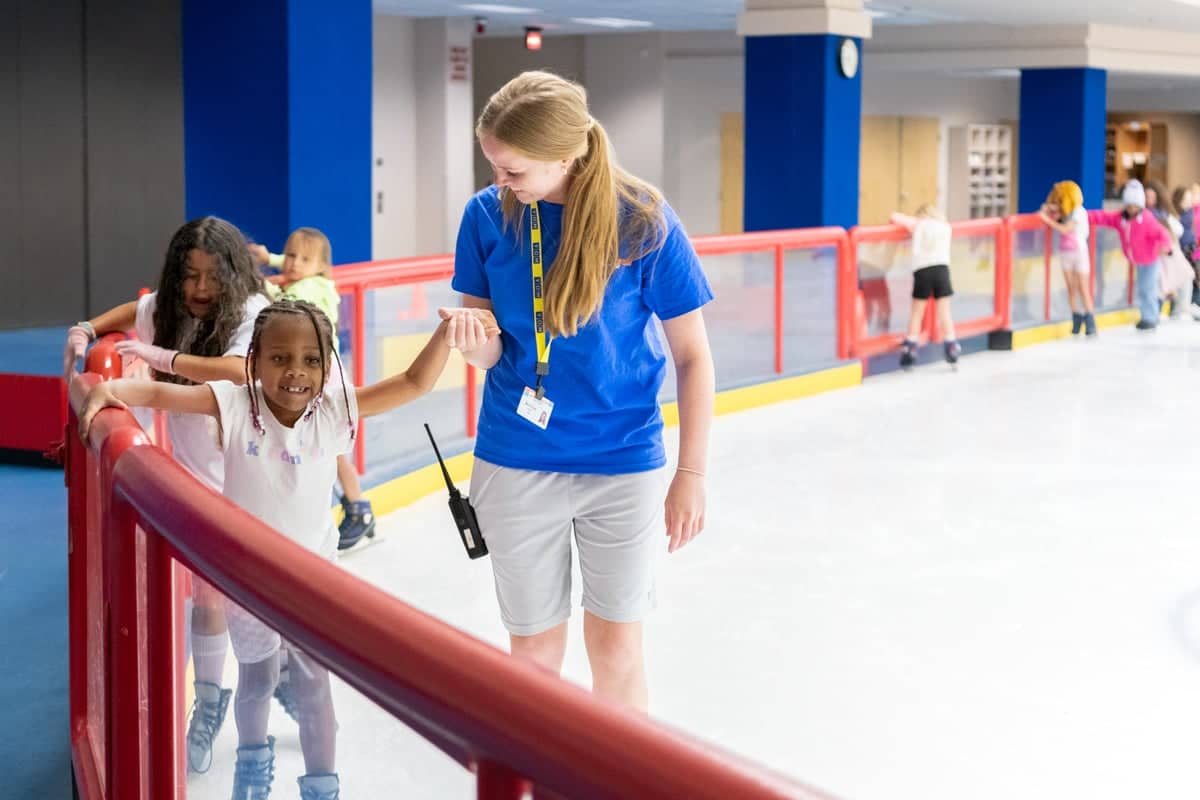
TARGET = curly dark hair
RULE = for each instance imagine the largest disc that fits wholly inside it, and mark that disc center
(174, 326)
(324, 331)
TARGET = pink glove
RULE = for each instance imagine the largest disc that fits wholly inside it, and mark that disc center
(159, 359)
(77, 342)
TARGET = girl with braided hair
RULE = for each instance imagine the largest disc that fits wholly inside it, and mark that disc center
(281, 434)
(306, 270)
(195, 328)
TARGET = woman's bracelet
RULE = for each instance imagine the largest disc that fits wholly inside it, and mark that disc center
(687, 469)
(88, 329)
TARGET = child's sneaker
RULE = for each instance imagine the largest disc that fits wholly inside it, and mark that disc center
(1076, 323)
(321, 786)
(254, 771)
(208, 712)
(953, 351)
(1089, 324)
(908, 354)
(283, 693)
(359, 521)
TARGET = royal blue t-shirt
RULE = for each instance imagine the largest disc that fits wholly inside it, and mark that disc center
(604, 381)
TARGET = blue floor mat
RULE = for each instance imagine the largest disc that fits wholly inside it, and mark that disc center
(34, 742)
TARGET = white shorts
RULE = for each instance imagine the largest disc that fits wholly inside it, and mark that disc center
(1074, 261)
(527, 519)
(250, 637)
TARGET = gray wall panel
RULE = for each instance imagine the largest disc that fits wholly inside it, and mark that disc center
(134, 143)
(44, 285)
(10, 159)
(91, 153)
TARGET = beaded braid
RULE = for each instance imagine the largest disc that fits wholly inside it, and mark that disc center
(324, 330)
(250, 355)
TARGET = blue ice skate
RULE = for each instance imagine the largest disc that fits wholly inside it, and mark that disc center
(208, 712)
(254, 771)
(321, 786)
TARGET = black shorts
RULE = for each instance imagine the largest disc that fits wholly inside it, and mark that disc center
(932, 282)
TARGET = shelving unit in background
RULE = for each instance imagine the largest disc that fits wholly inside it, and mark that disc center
(981, 172)
(1134, 149)
(1110, 161)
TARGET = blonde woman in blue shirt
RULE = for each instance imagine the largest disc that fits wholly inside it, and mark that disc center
(570, 433)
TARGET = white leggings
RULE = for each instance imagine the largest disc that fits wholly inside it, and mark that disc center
(309, 683)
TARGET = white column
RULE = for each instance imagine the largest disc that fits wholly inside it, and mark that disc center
(445, 123)
(394, 138)
(624, 75)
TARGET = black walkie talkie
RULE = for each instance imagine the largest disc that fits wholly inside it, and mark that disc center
(460, 509)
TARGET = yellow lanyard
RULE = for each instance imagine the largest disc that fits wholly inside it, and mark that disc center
(539, 305)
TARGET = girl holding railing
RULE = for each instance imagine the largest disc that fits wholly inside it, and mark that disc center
(196, 327)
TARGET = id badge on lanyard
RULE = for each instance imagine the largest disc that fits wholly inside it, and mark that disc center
(534, 405)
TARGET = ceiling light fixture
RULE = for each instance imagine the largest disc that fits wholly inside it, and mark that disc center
(612, 22)
(533, 38)
(486, 8)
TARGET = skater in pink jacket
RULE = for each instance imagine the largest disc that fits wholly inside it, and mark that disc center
(1144, 241)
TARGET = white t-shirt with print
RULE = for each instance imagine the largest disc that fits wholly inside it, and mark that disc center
(194, 436)
(1077, 239)
(285, 476)
(931, 243)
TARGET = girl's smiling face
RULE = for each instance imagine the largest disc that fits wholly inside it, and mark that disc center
(288, 364)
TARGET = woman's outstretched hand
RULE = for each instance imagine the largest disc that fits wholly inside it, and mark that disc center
(468, 328)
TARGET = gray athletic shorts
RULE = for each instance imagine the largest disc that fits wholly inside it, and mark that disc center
(527, 519)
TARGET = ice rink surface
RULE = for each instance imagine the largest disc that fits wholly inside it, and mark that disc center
(939, 586)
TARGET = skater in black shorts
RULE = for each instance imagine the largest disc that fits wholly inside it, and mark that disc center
(931, 279)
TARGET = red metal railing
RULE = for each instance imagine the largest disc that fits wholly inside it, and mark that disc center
(867, 346)
(779, 242)
(355, 280)
(134, 513)
(1022, 223)
(852, 341)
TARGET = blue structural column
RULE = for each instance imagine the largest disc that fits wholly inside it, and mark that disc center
(1063, 117)
(803, 124)
(277, 118)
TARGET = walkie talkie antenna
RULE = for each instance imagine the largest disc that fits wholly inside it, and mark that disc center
(445, 473)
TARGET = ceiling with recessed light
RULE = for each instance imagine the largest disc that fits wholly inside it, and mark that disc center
(599, 16)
